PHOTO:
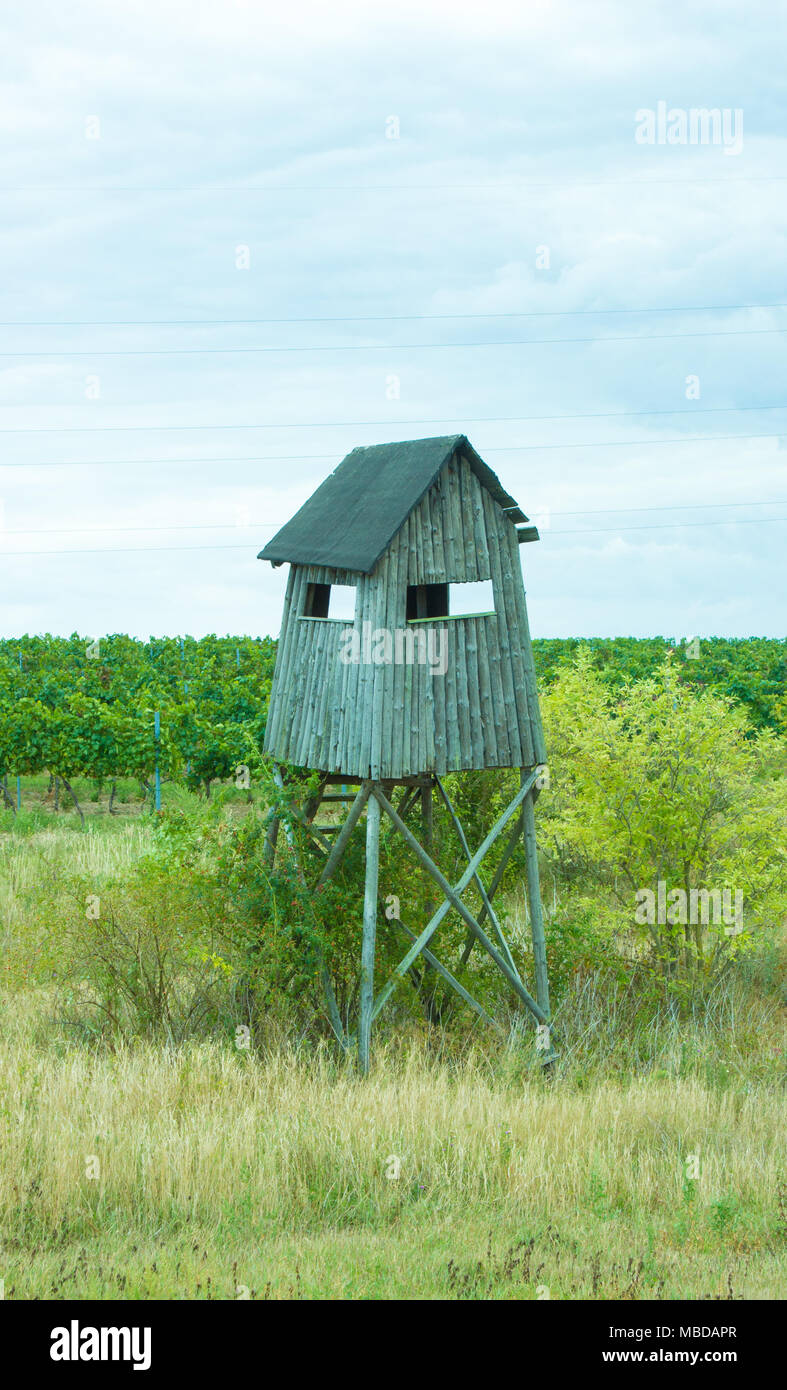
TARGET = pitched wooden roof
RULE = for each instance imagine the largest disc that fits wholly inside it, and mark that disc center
(354, 515)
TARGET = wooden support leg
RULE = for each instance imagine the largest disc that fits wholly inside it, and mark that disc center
(369, 933)
(271, 838)
(431, 1003)
(427, 817)
(534, 899)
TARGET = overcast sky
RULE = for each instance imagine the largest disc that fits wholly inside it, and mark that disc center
(367, 183)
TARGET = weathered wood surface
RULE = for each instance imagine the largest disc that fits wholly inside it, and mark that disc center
(534, 899)
(369, 931)
(397, 720)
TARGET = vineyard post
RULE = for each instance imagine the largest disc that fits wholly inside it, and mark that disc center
(157, 735)
(18, 778)
(186, 691)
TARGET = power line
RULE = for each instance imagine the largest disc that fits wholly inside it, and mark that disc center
(125, 550)
(627, 443)
(676, 507)
(188, 526)
(500, 186)
(494, 449)
(150, 549)
(274, 525)
(401, 347)
(363, 424)
(676, 525)
(382, 318)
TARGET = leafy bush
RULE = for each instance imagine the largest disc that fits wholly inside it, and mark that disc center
(658, 785)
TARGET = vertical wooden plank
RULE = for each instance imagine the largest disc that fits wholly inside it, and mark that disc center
(339, 711)
(310, 636)
(354, 679)
(534, 899)
(509, 557)
(351, 688)
(413, 712)
(281, 649)
(296, 681)
(465, 502)
(425, 681)
(499, 531)
(478, 493)
(469, 644)
(466, 698)
(278, 709)
(450, 479)
(321, 736)
(400, 733)
(369, 932)
(314, 640)
(381, 581)
(439, 692)
(456, 740)
(448, 525)
(394, 618)
(508, 740)
(457, 696)
(369, 670)
(315, 692)
(435, 514)
(423, 514)
(534, 712)
(488, 656)
(489, 713)
(428, 723)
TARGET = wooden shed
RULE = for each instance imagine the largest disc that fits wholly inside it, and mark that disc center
(413, 678)
(427, 669)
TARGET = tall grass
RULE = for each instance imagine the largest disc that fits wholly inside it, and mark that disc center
(148, 1157)
(25, 860)
(647, 1164)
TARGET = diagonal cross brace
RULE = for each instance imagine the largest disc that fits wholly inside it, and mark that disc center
(486, 898)
(451, 979)
(453, 900)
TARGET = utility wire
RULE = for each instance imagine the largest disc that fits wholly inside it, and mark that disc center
(275, 525)
(281, 458)
(364, 424)
(382, 318)
(500, 186)
(148, 549)
(402, 347)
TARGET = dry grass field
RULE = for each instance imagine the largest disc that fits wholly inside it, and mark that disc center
(211, 1171)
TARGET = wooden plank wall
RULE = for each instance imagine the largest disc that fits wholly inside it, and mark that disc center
(391, 720)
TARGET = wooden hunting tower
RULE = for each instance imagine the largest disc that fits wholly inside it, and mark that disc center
(427, 669)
